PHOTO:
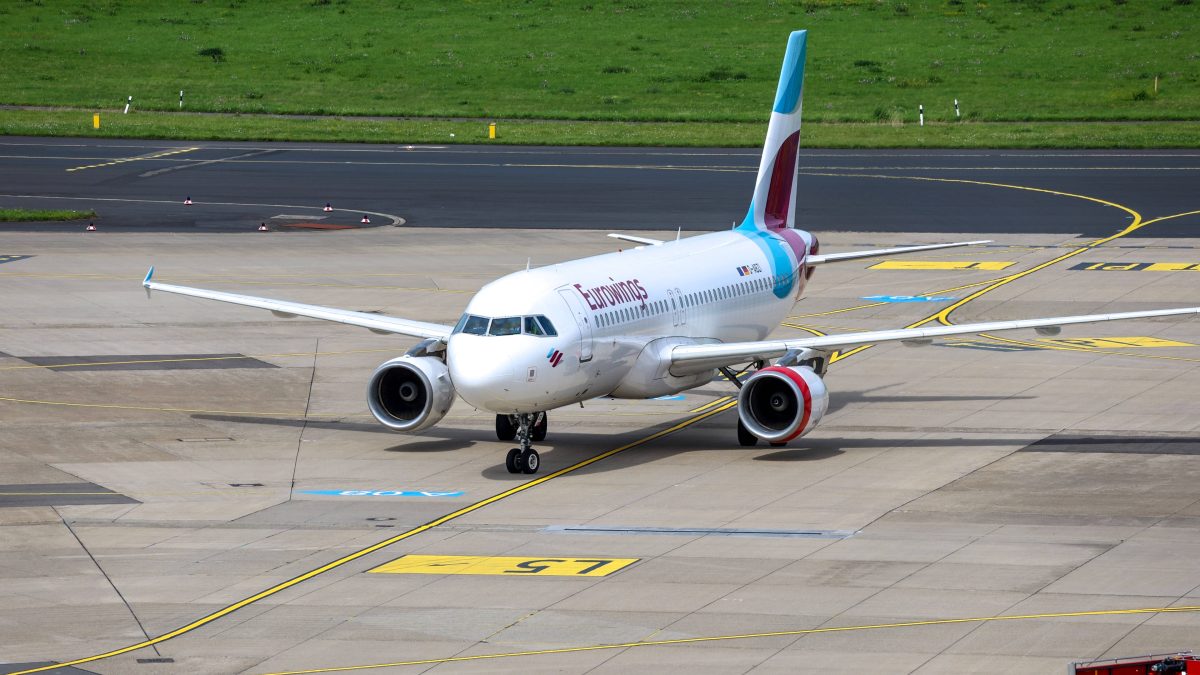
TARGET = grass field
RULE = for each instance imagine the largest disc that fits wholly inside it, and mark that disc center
(35, 215)
(869, 61)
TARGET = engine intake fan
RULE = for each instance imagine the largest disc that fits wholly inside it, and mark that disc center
(410, 393)
(781, 403)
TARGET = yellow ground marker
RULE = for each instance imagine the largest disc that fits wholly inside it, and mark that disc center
(549, 566)
(993, 265)
(1115, 342)
(712, 404)
(744, 636)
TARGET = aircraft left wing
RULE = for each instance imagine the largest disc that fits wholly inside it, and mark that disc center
(645, 241)
(374, 322)
(687, 359)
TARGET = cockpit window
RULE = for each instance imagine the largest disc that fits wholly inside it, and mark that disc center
(546, 325)
(508, 325)
(537, 325)
(472, 325)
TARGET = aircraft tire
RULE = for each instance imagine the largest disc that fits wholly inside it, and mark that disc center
(513, 461)
(745, 438)
(530, 461)
(538, 432)
(505, 430)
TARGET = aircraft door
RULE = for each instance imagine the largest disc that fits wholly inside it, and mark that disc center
(682, 307)
(581, 319)
(674, 307)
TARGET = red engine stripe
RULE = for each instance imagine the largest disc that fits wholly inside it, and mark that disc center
(805, 393)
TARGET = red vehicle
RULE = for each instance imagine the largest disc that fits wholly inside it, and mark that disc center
(1179, 662)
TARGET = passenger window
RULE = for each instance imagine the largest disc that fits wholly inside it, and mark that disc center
(546, 325)
(508, 325)
(532, 327)
(474, 325)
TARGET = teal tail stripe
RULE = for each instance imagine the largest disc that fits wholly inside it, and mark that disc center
(791, 78)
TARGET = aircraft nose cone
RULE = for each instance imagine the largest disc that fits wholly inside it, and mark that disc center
(481, 373)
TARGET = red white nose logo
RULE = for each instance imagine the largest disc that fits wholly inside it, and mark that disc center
(555, 357)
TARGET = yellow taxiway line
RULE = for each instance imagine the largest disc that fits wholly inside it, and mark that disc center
(229, 609)
(743, 636)
(123, 160)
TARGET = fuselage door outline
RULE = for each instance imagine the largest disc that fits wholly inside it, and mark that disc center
(571, 297)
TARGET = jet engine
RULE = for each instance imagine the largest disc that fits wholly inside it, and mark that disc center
(780, 403)
(410, 393)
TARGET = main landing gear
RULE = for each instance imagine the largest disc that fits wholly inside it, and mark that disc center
(525, 428)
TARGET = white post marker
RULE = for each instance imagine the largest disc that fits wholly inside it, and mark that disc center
(181, 99)
(127, 104)
(921, 108)
(956, 113)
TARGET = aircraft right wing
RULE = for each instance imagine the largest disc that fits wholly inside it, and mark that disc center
(855, 255)
(374, 322)
(686, 359)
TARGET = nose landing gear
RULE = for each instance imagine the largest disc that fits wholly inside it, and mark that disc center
(526, 428)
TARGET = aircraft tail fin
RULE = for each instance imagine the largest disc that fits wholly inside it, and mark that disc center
(773, 205)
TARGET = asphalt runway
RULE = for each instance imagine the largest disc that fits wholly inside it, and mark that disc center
(140, 185)
(194, 487)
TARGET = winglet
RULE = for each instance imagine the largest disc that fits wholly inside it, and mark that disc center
(146, 281)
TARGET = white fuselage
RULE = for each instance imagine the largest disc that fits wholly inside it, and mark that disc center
(611, 312)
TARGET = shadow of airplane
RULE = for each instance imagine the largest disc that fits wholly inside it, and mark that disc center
(566, 448)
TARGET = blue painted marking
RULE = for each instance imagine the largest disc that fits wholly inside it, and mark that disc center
(382, 493)
(908, 298)
(776, 252)
(792, 76)
(676, 397)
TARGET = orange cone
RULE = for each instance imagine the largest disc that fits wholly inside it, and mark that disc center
(365, 220)
(328, 207)
(187, 200)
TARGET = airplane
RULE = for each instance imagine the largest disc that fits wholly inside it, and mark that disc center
(658, 319)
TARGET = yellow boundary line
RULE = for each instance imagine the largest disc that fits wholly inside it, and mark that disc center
(123, 160)
(745, 636)
(229, 609)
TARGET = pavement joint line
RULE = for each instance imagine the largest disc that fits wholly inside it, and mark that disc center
(153, 155)
(396, 220)
(441, 520)
(190, 164)
(743, 636)
(196, 358)
(240, 282)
